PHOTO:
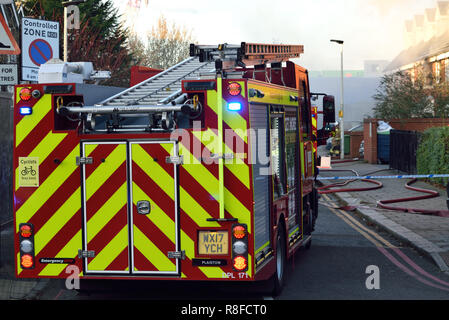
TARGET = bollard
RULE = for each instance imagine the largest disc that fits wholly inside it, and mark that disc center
(447, 191)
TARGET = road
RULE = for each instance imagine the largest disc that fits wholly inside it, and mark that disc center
(348, 260)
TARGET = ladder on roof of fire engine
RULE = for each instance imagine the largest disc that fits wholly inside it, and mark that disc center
(163, 88)
(161, 96)
(228, 56)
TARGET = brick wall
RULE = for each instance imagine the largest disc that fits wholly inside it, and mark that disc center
(370, 137)
(355, 140)
(419, 125)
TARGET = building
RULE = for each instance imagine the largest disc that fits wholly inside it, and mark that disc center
(426, 42)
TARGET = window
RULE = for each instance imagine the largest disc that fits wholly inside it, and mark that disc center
(305, 112)
(291, 147)
(277, 156)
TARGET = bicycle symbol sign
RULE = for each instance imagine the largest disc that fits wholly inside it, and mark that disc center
(28, 172)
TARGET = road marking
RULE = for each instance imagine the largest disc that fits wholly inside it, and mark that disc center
(376, 235)
(360, 228)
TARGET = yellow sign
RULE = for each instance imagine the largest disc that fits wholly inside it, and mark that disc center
(28, 172)
(213, 242)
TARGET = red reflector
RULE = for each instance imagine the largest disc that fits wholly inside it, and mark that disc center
(25, 231)
(27, 261)
(239, 232)
(25, 94)
(234, 89)
(240, 263)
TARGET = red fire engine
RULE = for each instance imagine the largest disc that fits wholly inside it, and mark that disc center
(202, 172)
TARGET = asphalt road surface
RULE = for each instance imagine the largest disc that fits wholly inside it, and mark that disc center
(348, 260)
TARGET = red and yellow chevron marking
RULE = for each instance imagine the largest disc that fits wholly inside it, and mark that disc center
(60, 206)
(315, 128)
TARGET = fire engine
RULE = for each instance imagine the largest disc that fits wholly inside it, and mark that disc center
(204, 171)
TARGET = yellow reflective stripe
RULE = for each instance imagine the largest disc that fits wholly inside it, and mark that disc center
(233, 119)
(73, 204)
(166, 183)
(200, 173)
(57, 221)
(162, 221)
(149, 249)
(210, 183)
(47, 188)
(70, 250)
(237, 209)
(238, 166)
(109, 209)
(106, 169)
(273, 95)
(43, 149)
(262, 247)
(108, 254)
(27, 124)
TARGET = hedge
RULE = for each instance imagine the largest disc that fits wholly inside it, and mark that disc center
(433, 153)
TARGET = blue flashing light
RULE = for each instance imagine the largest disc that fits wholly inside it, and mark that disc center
(234, 106)
(25, 111)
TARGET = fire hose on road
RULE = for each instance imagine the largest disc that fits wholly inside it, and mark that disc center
(384, 203)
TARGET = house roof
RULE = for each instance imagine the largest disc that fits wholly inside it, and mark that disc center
(421, 51)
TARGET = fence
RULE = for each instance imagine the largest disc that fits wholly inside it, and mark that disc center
(403, 147)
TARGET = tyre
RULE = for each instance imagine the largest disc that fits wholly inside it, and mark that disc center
(308, 245)
(281, 257)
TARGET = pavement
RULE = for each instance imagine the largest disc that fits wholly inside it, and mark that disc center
(426, 233)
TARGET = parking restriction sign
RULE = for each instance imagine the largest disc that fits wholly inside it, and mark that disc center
(40, 43)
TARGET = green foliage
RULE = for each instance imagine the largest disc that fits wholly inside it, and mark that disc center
(101, 38)
(433, 153)
(400, 97)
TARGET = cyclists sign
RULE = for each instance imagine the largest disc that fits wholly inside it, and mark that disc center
(28, 172)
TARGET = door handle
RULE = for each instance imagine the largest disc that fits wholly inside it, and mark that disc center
(143, 207)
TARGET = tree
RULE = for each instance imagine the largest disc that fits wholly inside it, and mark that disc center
(401, 97)
(101, 38)
(166, 45)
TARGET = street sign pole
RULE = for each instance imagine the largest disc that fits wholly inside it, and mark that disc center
(66, 4)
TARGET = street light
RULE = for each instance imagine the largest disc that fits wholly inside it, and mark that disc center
(341, 114)
(66, 4)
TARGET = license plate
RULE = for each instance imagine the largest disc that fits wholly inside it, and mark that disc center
(213, 242)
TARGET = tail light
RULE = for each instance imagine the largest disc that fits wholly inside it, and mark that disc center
(240, 247)
(234, 89)
(27, 261)
(26, 243)
(240, 263)
(25, 94)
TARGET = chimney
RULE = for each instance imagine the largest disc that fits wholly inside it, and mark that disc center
(442, 18)
(419, 28)
(409, 34)
(430, 24)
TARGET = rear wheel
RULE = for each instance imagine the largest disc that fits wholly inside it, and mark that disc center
(279, 275)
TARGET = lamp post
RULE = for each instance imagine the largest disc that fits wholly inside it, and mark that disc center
(66, 4)
(341, 113)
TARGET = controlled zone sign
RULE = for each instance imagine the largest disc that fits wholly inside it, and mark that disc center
(40, 43)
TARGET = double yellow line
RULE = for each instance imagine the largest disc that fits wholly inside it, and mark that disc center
(370, 235)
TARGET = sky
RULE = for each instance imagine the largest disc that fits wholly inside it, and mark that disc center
(371, 29)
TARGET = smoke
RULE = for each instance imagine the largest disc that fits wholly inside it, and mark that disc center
(386, 7)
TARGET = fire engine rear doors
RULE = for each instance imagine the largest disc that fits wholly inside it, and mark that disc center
(130, 207)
